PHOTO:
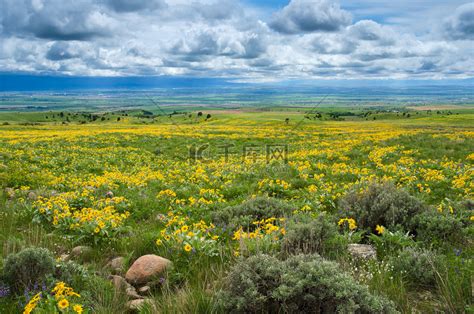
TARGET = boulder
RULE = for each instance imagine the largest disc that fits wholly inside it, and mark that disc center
(364, 251)
(145, 268)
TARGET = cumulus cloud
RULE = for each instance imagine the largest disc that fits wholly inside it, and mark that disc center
(369, 30)
(225, 39)
(198, 45)
(302, 16)
(55, 19)
(461, 24)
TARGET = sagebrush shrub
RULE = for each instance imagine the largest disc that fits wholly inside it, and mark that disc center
(249, 211)
(380, 204)
(306, 234)
(300, 284)
(29, 266)
(415, 265)
(436, 228)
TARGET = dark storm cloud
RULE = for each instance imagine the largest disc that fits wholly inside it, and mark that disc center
(302, 16)
(461, 24)
(54, 19)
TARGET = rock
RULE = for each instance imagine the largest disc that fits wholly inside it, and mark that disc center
(64, 257)
(145, 290)
(80, 252)
(122, 286)
(109, 194)
(364, 251)
(135, 305)
(10, 193)
(132, 293)
(145, 268)
(32, 196)
(117, 264)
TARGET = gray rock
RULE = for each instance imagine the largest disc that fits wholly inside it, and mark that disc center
(64, 257)
(80, 251)
(32, 196)
(117, 265)
(145, 290)
(364, 251)
(135, 305)
(122, 286)
(10, 192)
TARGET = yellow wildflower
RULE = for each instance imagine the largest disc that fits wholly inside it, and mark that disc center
(380, 229)
(188, 248)
(64, 303)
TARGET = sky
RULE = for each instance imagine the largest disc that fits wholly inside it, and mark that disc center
(246, 40)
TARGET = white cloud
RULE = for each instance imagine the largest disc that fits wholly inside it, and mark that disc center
(302, 16)
(315, 39)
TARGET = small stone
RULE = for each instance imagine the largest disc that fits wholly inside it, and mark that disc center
(81, 252)
(117, 264)
(135, 305)
(122, 286)
(10, 193)
(145, 290)
(119, 283)
(109, 194)
(64, 257)
(132, 293)
(32, 196)
(364, 251)
(145, 268)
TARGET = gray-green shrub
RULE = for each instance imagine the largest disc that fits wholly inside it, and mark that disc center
(436, 228)
(299, 284)
(307, 234)
(417, 266)
(29, 266)
(380, 204)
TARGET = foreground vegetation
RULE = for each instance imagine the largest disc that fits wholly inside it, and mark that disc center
(256, 212)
